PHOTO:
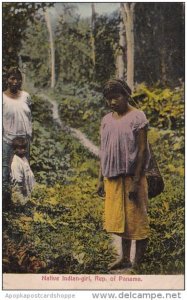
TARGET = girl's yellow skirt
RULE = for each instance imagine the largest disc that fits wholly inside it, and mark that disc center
(122, 216)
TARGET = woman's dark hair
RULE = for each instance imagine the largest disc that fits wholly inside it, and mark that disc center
(116, 86)
(14, 71)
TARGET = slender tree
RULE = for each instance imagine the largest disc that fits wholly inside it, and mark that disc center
(120, 53)
(127, 11)
(93, 18)
(52, 48)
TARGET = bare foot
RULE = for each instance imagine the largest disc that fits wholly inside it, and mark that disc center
(120, 264)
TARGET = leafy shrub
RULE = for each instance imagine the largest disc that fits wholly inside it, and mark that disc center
(163, 107)
(165, 253)
(65, 229)
(83, 110)
(63, 222)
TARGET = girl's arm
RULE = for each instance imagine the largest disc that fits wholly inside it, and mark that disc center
(100, 178)
(142, 148)
(140, 162)
(100, 186)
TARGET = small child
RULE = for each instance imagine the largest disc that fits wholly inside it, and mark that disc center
(22, 177)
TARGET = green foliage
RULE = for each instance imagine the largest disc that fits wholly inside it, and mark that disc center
(166, 242)
(163, 107)
(64, 227)
(50, 158)
(165, 110)
(73, 50)
(60, 229)
(35, 51)
(165, 253)
(15, 19)
(63, 222)
(159, 42)
(106, 43)
(83, 110)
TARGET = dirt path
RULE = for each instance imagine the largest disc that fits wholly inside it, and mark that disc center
(94, 150)
(74, 132)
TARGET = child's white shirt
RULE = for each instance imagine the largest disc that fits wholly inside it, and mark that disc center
(22, 174)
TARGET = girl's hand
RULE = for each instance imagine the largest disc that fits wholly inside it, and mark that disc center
(134, 189)
(100, 189)
(136, 180)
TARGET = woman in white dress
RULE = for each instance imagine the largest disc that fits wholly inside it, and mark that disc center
(16, 123)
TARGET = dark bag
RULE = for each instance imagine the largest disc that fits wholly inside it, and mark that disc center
(154, 177)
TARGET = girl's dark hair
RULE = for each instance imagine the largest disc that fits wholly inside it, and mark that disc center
(13, 71)
(116, 86)
(19, 141)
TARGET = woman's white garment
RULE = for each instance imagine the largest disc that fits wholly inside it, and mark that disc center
(22, 176)
(16, 117)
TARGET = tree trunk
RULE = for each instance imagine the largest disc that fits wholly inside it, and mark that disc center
(163, 51)
(93, 36)
(52, 49)
(163, 66)
(120, 53)
(127, 10)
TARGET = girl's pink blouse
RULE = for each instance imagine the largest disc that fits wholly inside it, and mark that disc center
(119, 147)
